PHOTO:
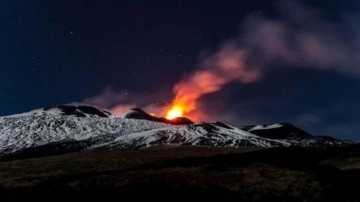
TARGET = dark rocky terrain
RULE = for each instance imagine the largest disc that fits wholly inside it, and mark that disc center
(186, 172)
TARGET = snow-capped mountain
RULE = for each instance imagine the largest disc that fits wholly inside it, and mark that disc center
(72, 128)
(291, 134)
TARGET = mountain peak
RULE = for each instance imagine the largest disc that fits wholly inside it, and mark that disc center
(137, 113)
(79, 110)
(277, 131)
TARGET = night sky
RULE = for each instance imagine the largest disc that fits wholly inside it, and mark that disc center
(132, 53)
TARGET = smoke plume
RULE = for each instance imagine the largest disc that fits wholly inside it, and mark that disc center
(300, 37)
(303, 38)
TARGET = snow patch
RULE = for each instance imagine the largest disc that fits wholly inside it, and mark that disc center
(265, 127)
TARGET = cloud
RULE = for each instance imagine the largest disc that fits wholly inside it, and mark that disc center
(118, 102)
(302, 38)
(109, 97)
(121, 108)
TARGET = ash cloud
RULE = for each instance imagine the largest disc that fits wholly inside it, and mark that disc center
(301, 38)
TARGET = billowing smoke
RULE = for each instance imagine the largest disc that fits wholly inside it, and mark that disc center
(299, 37)
(215, 72)
(303, 38)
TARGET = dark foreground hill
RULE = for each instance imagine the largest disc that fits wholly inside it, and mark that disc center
(187, 173)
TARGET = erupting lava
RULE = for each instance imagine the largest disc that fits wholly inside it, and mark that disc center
(174, 112)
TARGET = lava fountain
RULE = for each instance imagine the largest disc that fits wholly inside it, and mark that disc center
(174, 111)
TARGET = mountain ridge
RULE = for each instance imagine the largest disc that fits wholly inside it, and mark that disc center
(65, 128)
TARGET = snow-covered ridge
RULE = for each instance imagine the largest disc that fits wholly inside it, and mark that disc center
(43, 126)
(134, 129)
(208, 134)
(265, 127)
(78, 111)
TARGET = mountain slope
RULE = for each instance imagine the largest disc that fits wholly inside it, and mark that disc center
(208, 134)
(290, 134)
(67, 128)
(49, 125)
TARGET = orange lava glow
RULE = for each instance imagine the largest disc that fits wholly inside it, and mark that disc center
(174, 112)
(226, 66)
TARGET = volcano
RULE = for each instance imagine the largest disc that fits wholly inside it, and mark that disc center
(68, 128)
(70, 152)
